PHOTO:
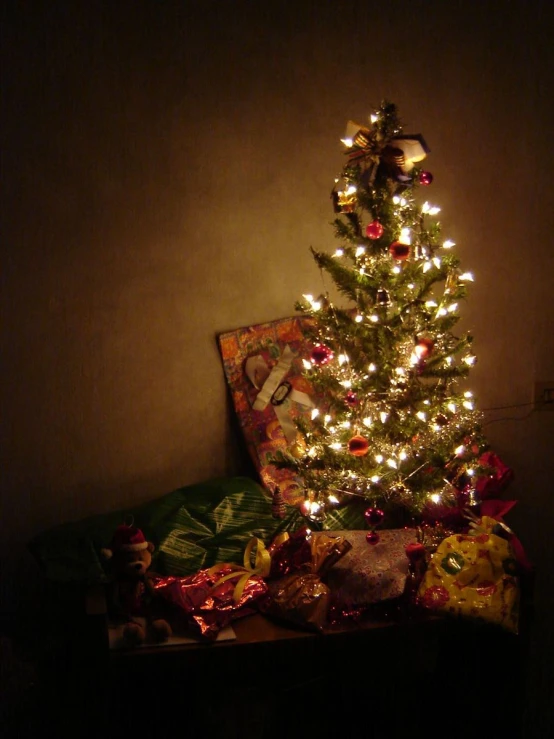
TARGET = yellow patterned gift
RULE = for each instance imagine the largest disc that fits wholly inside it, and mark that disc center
(474, 575)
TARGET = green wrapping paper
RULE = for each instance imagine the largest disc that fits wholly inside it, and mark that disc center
(192, 528)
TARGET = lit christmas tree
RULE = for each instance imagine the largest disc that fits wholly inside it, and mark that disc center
(392, 428)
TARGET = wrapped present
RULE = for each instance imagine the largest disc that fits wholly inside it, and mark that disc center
(371, 573)
(296, 591)
(263, 368)
(208, 601)
(474, 576)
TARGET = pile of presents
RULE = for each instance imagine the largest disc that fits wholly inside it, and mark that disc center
(316, 580)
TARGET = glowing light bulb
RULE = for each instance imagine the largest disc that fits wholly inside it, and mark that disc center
(448, 244)
(405, 236)
(392, 463)
(431, 304)
(360, 250)
(367, 422)
(426, 265)
(396, 270)
(468, 404)
(372, 367)
(307, 364)
(315, 413)
(437, 262)
(459, 450)
(327, 418)
(434, 210)
(375, 478)
(466, 277)
(332, 499)
(435, 497)
(470, 360)
(374, 319)
(342, 359)
(346, 383)
(359, 318)
(468, 394)
(451, 407)
(383, 416)
(379, 458)
(403, 455)
(336, 445)
(374, 118)
(345, 424)
(442, 312)
(339, 253)
(421, 415)
(451, 308)
(347, 142)
(396, 200)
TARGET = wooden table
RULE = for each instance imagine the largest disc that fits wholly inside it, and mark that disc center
(378, 680)
(404, 677)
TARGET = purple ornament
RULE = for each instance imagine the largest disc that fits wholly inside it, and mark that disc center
(425, 178)
(374, 516)
(351, 398)
(321, 354)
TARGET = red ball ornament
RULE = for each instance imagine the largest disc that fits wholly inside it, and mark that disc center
(374, 230)
(321, 355)
(424, 347)
(372, 537)
(425, 178)
(374, 516)
(358, 446)
(351, 398)
(399, 250)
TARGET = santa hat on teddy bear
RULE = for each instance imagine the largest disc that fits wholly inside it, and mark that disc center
(127, 538)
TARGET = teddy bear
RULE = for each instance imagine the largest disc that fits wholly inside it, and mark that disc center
(128, 560)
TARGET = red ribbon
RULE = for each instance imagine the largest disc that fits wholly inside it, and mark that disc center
(497, 509)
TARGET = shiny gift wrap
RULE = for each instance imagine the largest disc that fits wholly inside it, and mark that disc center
(204, 603)
(474, 576)
(296, 591)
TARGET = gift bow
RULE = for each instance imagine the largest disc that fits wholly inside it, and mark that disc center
(273, 390)
(261, 566)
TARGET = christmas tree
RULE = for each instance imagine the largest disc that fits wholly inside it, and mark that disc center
(394, 428)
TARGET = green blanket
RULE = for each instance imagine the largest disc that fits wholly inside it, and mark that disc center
(192, 528)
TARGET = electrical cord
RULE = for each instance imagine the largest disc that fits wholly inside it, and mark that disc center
(510, 418)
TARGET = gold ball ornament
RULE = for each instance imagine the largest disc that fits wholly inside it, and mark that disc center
(298, 448)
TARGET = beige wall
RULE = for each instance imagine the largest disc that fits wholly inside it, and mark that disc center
(166, 167)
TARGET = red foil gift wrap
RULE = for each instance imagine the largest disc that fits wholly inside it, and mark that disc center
(199, 604)
(296, 591)
(290, 553)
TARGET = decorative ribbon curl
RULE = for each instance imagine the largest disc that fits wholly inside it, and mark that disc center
(274, 389)
(261, 566)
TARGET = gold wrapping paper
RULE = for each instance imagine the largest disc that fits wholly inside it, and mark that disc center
(300, 596)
